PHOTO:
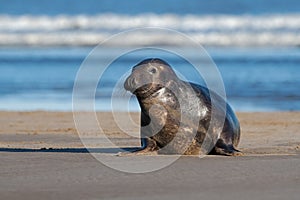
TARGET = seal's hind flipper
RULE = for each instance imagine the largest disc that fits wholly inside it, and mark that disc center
(224, 149)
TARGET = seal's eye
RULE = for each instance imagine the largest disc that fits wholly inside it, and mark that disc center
(152, 70)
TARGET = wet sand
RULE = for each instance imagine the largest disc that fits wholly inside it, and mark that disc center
(42, 157)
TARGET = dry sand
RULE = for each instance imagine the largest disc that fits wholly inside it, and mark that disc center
(42, 157)
(262, 133)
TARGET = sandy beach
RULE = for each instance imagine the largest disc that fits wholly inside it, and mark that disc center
(42, 157)
(262, 133)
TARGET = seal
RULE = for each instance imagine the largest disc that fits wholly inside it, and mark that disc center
(176, 115)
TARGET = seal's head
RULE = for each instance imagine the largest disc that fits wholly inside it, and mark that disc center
(149, 76)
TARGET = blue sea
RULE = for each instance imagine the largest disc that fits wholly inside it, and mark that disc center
(255, 45)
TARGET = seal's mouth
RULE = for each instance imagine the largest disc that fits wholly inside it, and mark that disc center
(147, 90)
(142, 91)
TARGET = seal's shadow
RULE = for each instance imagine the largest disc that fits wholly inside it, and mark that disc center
(70, 150)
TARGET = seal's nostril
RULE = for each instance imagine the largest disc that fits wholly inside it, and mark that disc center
(127, 83)
(130, 83)
(133, 82)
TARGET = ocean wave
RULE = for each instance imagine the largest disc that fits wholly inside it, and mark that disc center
(217, 30)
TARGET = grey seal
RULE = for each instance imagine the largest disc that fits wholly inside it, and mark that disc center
(166, 101)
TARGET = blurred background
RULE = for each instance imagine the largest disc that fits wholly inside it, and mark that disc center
(254, 43)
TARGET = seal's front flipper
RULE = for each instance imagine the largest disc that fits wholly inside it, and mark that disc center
(225, 149)
(149, 147)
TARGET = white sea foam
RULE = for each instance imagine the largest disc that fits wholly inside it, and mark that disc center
(224, 30)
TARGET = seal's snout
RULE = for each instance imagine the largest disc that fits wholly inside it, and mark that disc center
(130, 83)
(126, 83)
